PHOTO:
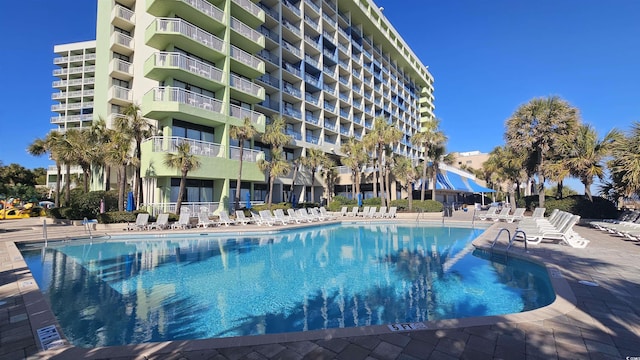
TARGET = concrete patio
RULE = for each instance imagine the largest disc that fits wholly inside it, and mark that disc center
(585, 322)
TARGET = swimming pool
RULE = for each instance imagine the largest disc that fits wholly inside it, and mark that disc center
(195, 286)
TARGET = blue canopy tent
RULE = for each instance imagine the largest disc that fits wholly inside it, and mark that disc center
(476, 188)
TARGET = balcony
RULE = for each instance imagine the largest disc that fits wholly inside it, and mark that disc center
(72, 106)
(120, 69)
(293, 28)
(120, 95)
(247, 12)
(249, 64)
(200, 12)
(168, 101)
(75, 58)
(270, 80)
(73, 82)
(123, 18)
(240, 113)
(329, 20)
(255, 39)
(166, 31)
(294, 9)
(72, 118)
(161, 65)
(245, 89)
(312, 119)
(291, 48)
(122, 43)
(73, 70)
(296, 135)
(269, 33)
(290, 89)
(72, 94)
(292, 69)
(295, 113)
(311, 79)
(315, 100)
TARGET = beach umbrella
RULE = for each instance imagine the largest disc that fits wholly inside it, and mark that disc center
(294, 202)
(248, 197)
(130, 202)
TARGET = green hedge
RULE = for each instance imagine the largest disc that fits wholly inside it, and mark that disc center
(113, 217)
(340, 201)
(85, 205)
(600, 208)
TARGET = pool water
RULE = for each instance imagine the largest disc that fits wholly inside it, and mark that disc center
(194, 286)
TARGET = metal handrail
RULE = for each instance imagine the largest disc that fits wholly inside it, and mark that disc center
(498, 236)
(518, 231)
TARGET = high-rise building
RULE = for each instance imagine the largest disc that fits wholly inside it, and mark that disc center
(196, 67)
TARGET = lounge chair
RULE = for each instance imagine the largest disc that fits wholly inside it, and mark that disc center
(142, 220)
(303, 214)
(315, 213)
(380, 213)
(294, 216)
(354, 211)
(224, 219)
(496, 217)
(538, 213)
(392, 212)
(184, 221)
(325, 213)
(365, 211)
(264, 217)
(243, 219)
(372, 212)
(281, 217)
(485, 215)
(516, 216)
(161, 223)
(564, 233)
(204, 221)
(343, 211)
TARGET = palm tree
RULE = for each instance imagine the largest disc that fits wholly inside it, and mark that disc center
(117, 154)
(312, 161)
(184, 161)
(430, 136)
(382, 134)
(82, 152)
(330, 174)
(625, 162)
(241, 133)
(587, 154)
(278, 166)
(406, 173)
(438, 155)
(100, 135)
(50, 145)
(507, 166)
(537, 127)
(139, 129)
(355, 158)
(274, 134)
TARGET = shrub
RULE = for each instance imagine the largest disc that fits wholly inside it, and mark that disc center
(402, 204)
(283, 206)
(600, 208)
(428, 206)
(113, 217)
(376, 201)
(340, 201)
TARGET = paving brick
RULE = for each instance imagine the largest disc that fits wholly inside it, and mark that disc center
(419, 349)
(336, 345)
(353, 352)
(320, 353)
(438, 355)
(478, 344)
(288, 354)
(269, 350)
(235, 353)
(396, 339)
(301, 347)
(451, 346)
(594, 346)
(386, 351)
(367, 342)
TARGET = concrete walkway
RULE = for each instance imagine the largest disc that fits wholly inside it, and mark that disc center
(585, 322)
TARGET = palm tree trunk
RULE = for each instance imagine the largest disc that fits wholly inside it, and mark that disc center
(107, 176)
(433, 181)
(540, 179)
(183, 185)
(122, 186)
(313, 178)
(59, 179)
(67, 186)
(239, 181)
(375, 178)
(271, 181)
(387, 175)
(587, 190)
(293, 180)
(559, 189)
(85, 174)
(424, 180)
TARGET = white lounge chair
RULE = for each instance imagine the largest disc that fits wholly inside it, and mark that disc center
(326, 214)
(280, 216)
(294, 216)
(485, 215)
(142, 220)
(264, 217)
(184, 221)
(496, 217)
(392, 212)
(354, 211)
(380, 213)
(516, 216)
(243, 219)
(303, 214)
(343, 211)
(372, 212)
(161, 223)
(225, 219)
(365, 211)
(564, 234)
(204, 221)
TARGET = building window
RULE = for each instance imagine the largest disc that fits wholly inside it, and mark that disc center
(192, 131)
(195, 191)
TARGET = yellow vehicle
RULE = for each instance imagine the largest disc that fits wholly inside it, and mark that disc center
(27, 211)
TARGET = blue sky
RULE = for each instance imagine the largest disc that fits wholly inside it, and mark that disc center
(487, 58)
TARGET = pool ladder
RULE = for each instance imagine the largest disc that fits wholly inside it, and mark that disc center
(511, 239)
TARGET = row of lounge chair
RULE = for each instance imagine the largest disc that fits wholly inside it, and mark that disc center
(558, 227)
(370, 212)
(504, 214)
(626, 225)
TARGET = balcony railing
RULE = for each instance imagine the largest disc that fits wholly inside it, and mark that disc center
(244, 30)
(172, 94)
(246, 58)
(293, 28)
(271, 80)
(207, 8)
(292, 112)
(292, 69)
(124, 13)
(72, 94)
(242, 113)
(292, 48)
(184, 62)
(75, 58)
(71, 118)
(119, 92)
(249, 6)
(191, 31)
(74, 70)
(72, 106)
(123, 39)
(196, 147)
(121, 66)
(245, 85)
(290, 89)
(294, 134)
(292, 7)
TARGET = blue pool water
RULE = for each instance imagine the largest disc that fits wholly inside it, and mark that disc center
(193, 286)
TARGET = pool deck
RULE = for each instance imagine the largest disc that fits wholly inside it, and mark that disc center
(585, 322)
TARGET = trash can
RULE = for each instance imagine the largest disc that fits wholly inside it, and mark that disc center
(447, 211)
